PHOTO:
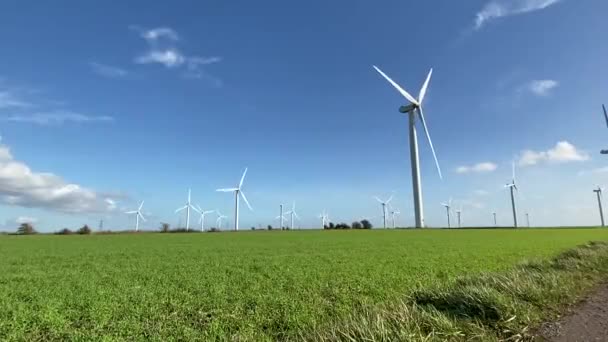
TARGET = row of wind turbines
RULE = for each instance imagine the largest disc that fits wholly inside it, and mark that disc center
(415, 112)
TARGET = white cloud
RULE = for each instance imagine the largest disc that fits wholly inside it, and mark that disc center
(56, 118)
(503, 8)
(164, 52)
(169, 58)
(155, 34)
(598, 170)
(541, 87)
(108, 70)
(20, 186)
(10, 100)
(563, 152)
(25, 219)
(480, 167)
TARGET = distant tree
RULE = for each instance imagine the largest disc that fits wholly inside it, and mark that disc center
(332, 225)
(165, 227)
(84, 230)
(269, 227)
(342, 226)
(366, 224)
(26, 229)
(64, 231)
(252, 228)
(357, 225)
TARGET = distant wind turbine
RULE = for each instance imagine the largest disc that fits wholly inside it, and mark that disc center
(324, 218)
(414, 109)
(291, 214)
(512, 187)
(458, 214)
(599, 191)
(238, 190)
(281, 217)
(219, 220)
(394, 212)
(138, 215)
(528, 219)
(384, 204)
(605, 117)
(187, 207)
(448, 206)
(203, 213)
(494, 214)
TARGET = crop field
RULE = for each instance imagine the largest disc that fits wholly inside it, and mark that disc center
(248, 286)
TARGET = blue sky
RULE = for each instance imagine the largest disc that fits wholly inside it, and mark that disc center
(103, 105)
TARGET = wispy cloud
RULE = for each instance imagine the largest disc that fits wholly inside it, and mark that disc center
(563, 152)
(9, 99)
(108, 70)
(21, 186)
(502, 8)
(598, 170)
(477, 168)
(162, 50)
(56, 118)
(540, 87)
(25, 219)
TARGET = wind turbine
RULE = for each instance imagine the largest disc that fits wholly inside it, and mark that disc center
(605, 117)
(203, 214)
(138, 215)
(458, 214)
(414, 109)
(324, 218)
(237, 190)
(494, 214)
(394, 212)
(384, 204)
(448, 206)
(219, 220)
(528, 219)
(187, 207)
(291, 214)
(512, 187)
(281, 217)
(599, 192)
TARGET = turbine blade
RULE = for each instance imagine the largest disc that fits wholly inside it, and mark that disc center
(424, 87)
(242, 178)
(194, 208)
(131, 212)
(428, 136)
(296, 215)
(389, 199)
(227, 190)
(398, 87)
(377, 199)
(141, 216)
(141, 205)
(246, 201)
(605, 114)
(513, 166)
(180, 209)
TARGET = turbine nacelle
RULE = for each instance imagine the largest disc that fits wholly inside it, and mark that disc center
(408, 109)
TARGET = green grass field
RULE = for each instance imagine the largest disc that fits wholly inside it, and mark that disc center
(250, 285)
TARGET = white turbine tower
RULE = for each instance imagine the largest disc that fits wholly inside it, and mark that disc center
(458, 214)
(605, 117)
(203, 213)
(138, 215)
(448, 206)
(495, 223)
(414, 109)
(292, 213)
(238, 190)
(324, 218)
(219, 220)
(281, 216)
(384, 204)
(512, 187)
(394, 212)
(599, 191)
(187, 207)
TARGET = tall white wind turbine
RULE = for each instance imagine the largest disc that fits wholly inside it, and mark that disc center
(394, 212)
(448, 207)
(238, 190)
(495, 222)
(291, 214)
(203, 213)
(414, 109)
(384, 204)
(138, 215)
(187, 207)
(512, 187)
(324, 218)
(281, 216)
(458, 214)
(599, 191)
